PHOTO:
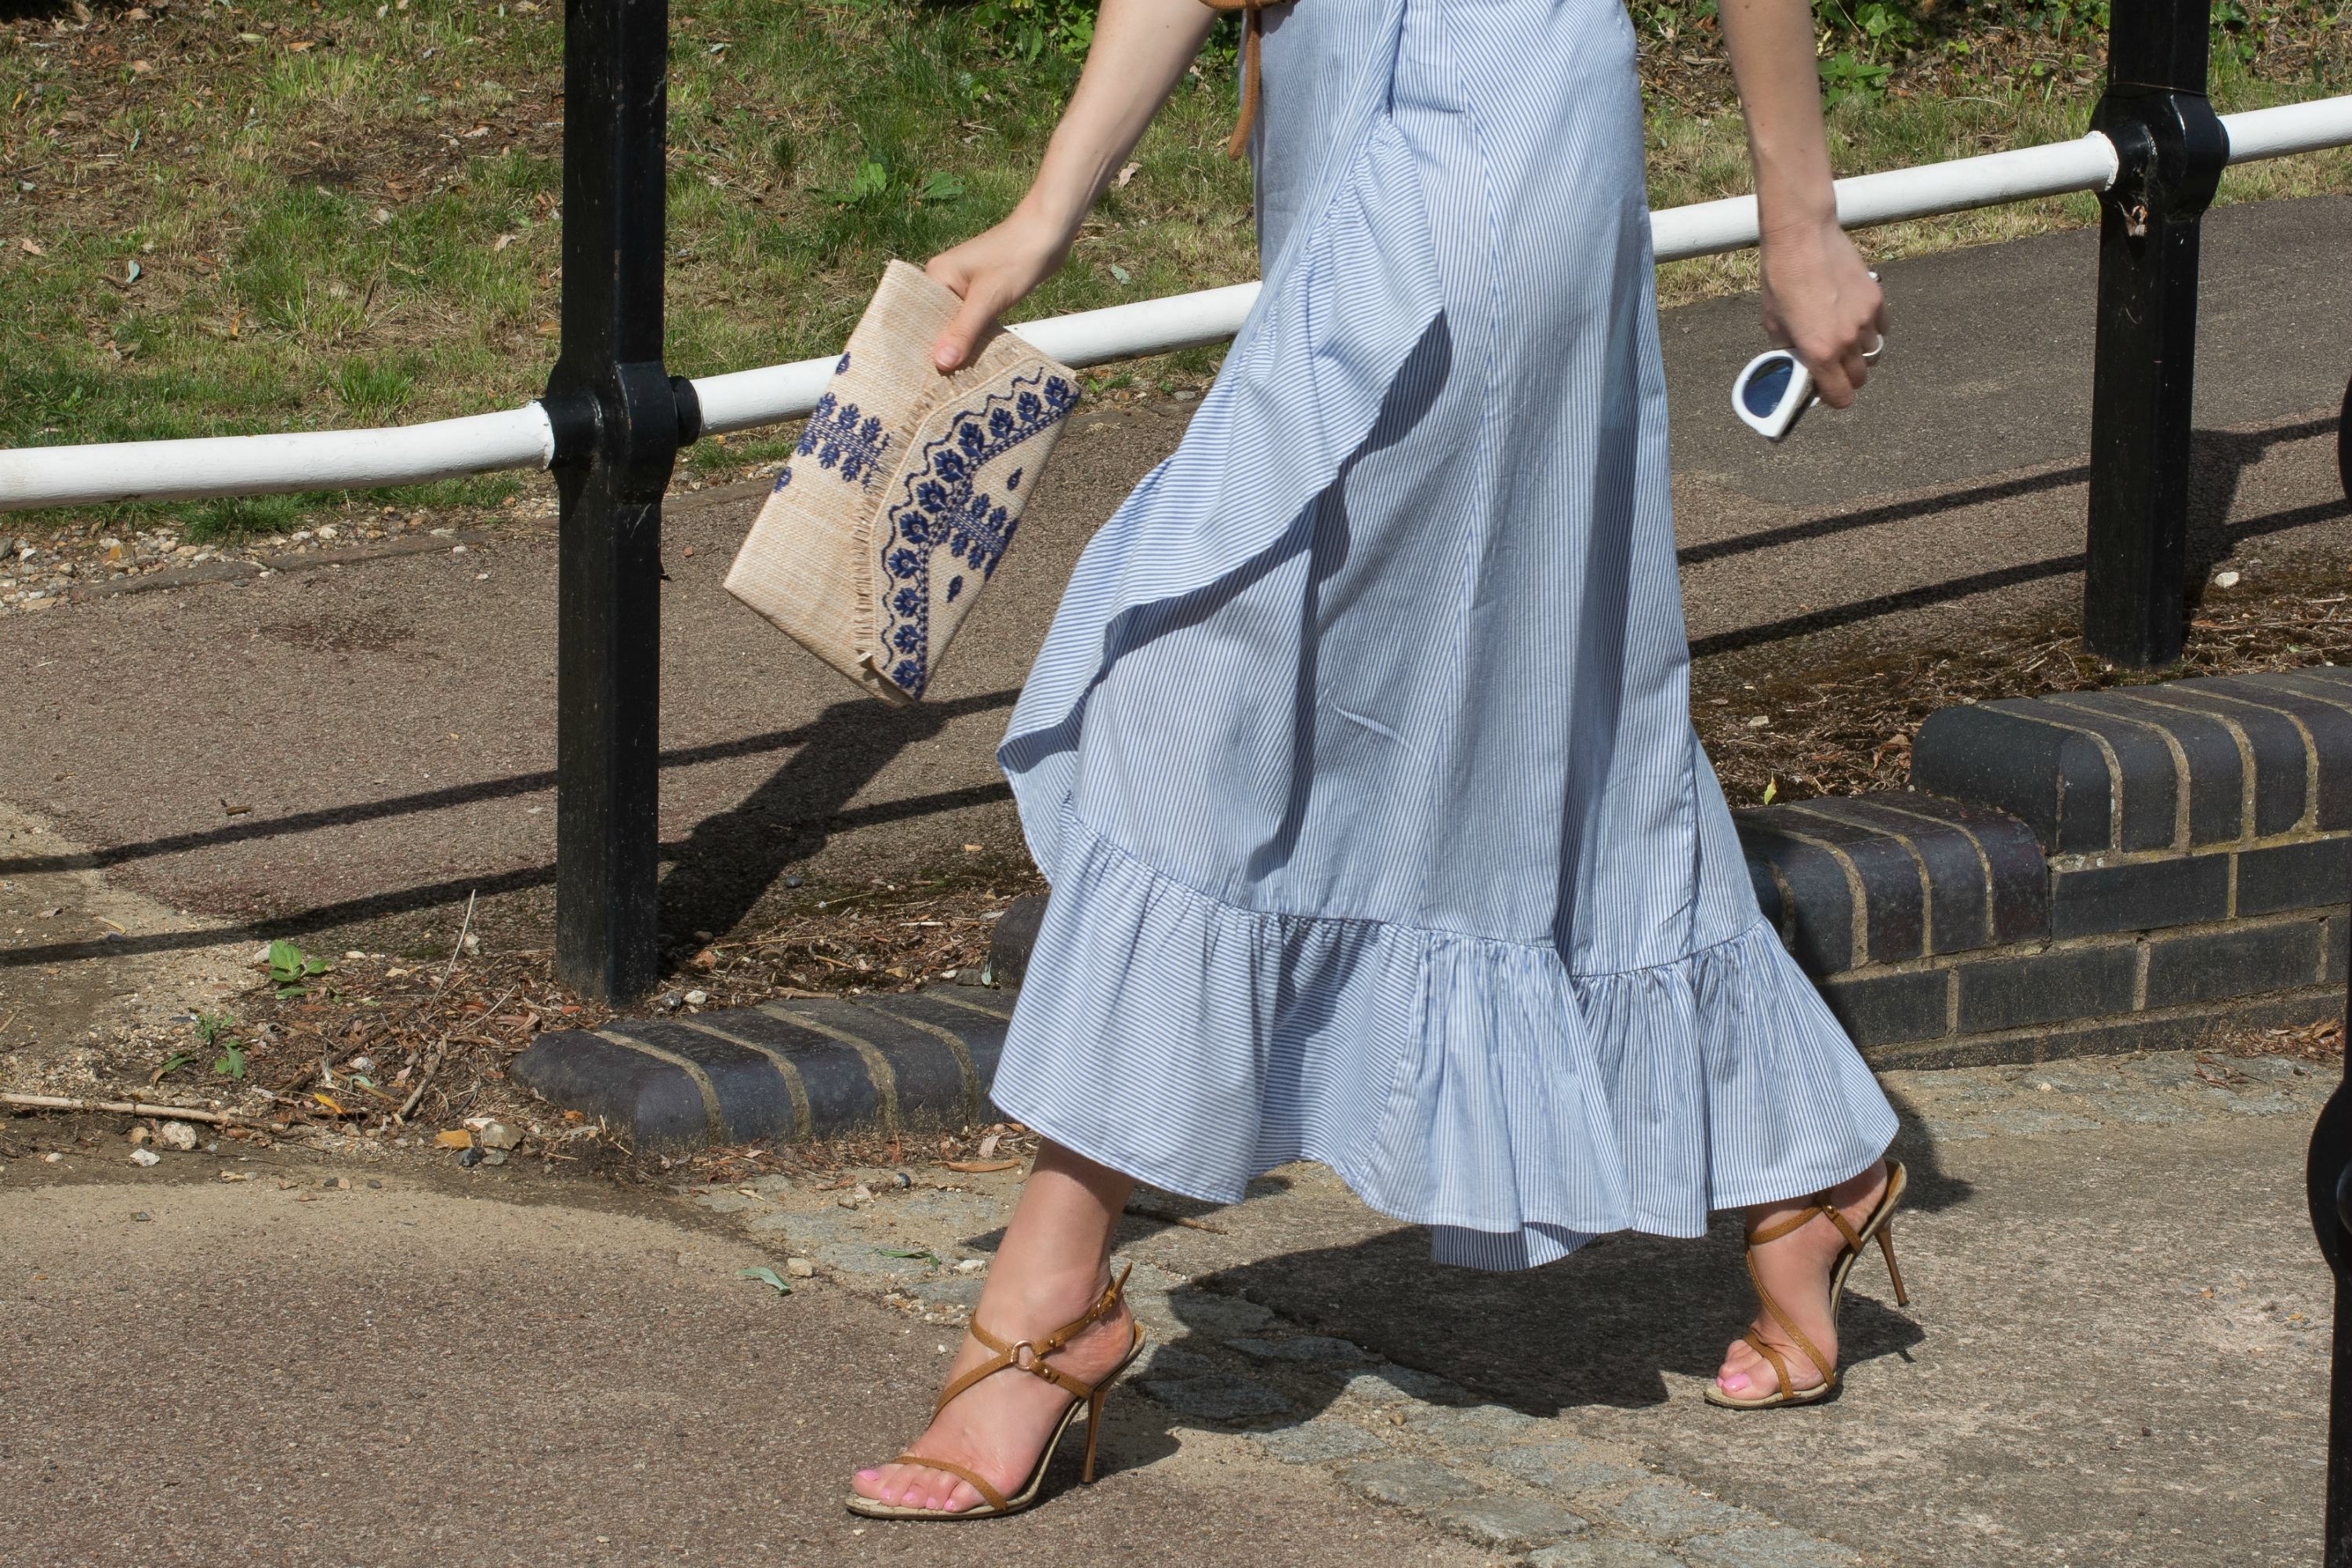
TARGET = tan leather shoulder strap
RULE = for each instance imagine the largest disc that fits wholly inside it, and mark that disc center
(1252, 26)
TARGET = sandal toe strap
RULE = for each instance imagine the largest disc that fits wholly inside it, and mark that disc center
(1785, 1384)
(988, 1494)
(1796, 1335)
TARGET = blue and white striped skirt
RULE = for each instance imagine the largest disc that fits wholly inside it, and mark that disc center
(1359, 754)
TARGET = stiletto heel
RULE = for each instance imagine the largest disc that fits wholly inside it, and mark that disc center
(1886, 1245)
(1094, 1431)
(1029, 1356)
(1878, 1227)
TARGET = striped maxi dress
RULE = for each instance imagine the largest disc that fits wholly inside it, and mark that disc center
(1359, 755)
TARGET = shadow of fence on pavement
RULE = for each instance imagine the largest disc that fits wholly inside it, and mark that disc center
(2222, 459)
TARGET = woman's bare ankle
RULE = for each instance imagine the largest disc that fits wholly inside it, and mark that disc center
(1038, 1301)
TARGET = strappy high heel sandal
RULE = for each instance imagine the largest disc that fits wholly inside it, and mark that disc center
(1878, 1226)
(1029, 1356)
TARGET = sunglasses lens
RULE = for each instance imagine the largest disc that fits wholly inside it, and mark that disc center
(1768, 385)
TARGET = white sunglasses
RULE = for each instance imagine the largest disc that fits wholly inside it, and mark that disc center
(1774, 389)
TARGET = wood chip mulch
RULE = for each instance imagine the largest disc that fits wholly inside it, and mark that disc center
(1847, 728)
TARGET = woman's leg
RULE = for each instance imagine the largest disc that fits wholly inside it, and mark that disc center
(1052, 1267)
(1796, 1269)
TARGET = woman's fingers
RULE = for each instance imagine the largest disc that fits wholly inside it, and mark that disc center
(1831, 385)
(963, 334)
(1857, 368)
(981, 302)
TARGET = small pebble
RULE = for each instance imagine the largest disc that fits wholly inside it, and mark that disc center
(337, 1183)
(800, 1267)
(140, 1157)
(176, 1135)
(470, 1158)
(696, 998)
(901, 1179)
(494, 1157)
(140, 1216)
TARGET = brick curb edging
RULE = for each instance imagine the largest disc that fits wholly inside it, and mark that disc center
(2080, 874)
(790, 1071)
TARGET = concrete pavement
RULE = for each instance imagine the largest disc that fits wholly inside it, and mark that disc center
(2115, 1355)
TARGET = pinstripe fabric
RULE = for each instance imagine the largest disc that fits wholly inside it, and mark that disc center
(1359, 754)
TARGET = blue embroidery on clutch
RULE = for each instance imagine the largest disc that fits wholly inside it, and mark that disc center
(945, 509)
(839, 438)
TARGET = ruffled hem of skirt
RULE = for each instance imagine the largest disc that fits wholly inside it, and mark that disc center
(1467, 1083)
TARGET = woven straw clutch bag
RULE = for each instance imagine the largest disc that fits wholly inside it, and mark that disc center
(904, 491)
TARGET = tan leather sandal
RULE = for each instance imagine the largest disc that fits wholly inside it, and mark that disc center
(1878, 1226)
(1029, 1356)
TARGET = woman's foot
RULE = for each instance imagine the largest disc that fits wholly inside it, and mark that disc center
(997, 1428)
(1796, 1268)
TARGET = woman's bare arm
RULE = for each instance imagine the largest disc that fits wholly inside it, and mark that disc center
(1819, 297)
(1141, 50)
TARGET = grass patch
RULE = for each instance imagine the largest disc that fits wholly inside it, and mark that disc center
(304, 214)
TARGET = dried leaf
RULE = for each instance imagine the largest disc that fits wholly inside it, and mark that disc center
(30, 247)
(981, 1167)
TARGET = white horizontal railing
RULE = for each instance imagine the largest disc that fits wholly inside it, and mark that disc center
(744, 400)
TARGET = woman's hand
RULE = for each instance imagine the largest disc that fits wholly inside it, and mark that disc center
(1820, 300)
(993, 271)
(1139, 53)
(1821, 303)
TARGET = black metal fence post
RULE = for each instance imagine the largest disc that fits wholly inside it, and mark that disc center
(2344, 443)
(2328, 1176)
(2172, 149)
(619, 420)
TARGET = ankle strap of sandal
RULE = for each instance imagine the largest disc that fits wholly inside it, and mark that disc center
(1819, 1204)
(1029, 1355)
